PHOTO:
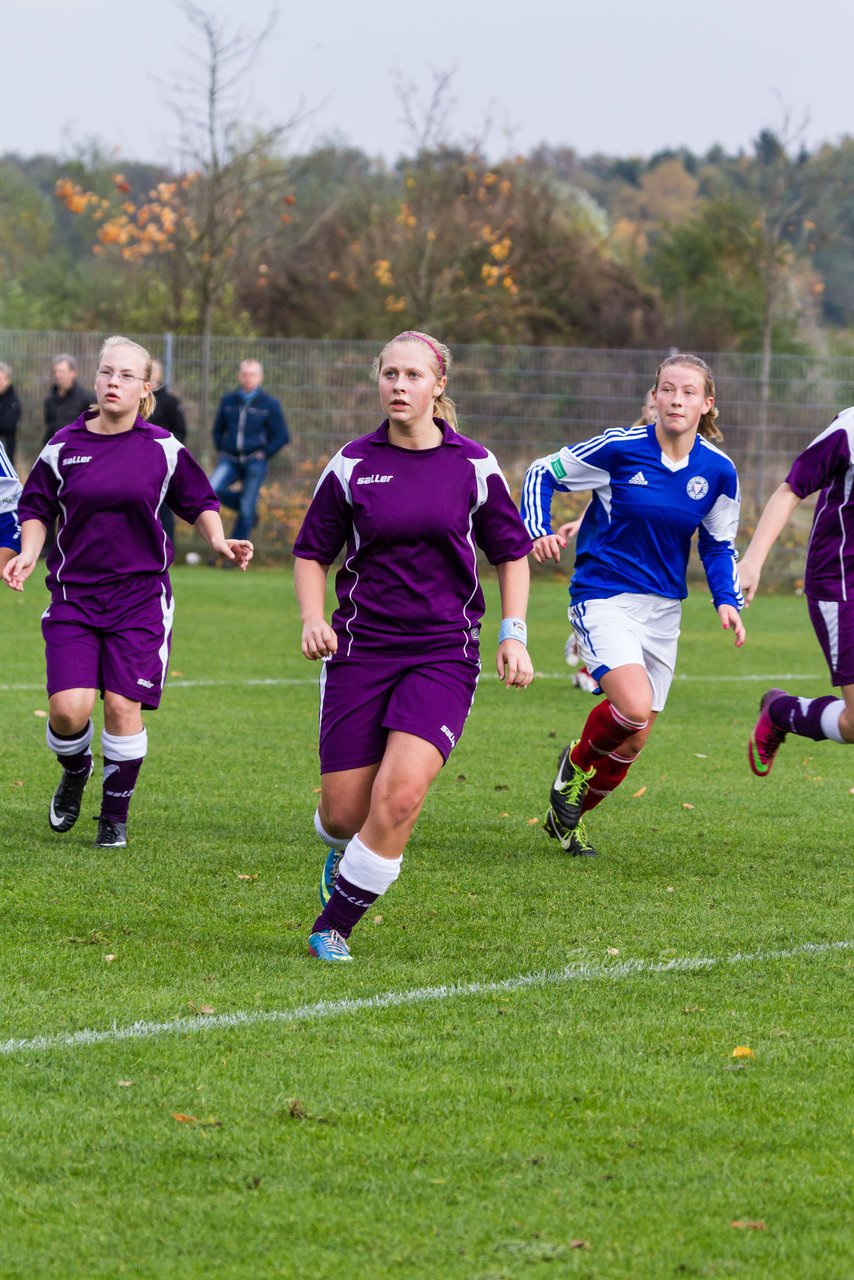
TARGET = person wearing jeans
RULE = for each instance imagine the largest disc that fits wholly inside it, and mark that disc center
(248, 431)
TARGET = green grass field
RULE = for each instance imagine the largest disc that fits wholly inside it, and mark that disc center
(526, 1072)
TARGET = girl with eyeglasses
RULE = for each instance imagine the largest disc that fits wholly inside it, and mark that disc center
(108, 626)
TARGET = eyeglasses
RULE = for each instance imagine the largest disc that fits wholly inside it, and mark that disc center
(124, 377)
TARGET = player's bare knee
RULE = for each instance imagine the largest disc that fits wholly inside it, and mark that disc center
(69, 711)
(398, 806)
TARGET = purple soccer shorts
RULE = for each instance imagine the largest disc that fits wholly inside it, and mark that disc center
(117, 639)
(833, 623)
(362, 700)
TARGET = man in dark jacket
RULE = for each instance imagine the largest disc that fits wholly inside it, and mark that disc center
(10, 411)
(66, 399)
(248, 430)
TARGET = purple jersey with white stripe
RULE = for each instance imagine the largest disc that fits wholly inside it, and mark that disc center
(828, 465)
(106, 492)
(411, 520)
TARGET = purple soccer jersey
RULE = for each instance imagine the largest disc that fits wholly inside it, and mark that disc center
(411, 521)
(827, 464)
(106, 492)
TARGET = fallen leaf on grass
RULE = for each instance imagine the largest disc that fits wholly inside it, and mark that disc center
(180, 1118)
(19, 782)
(670, 888)
(742, 1051)
(42, 715)
(613, 951)
(176, 674)
(296, 1110)
(533, 822)
(246, 876)
(110, 958)
(698, 755)
(579, 1244)
(317, 790)
(640, 792)
(378, 919)
(687, 806)
(200, 1008)
(124, 1084)
(850, 789)
(461, 777)
(505, 814)
(747, 1224)
(501, 786)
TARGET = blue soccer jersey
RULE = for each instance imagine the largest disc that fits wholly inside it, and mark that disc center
(10, 492)
(636, 534)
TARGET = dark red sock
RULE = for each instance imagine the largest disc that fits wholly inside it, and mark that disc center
(610, 771)
(604, 730)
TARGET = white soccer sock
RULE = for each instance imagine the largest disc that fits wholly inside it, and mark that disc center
(368, 870)
(332, 842)
(132, 746)
(830, 718)
(69, 746)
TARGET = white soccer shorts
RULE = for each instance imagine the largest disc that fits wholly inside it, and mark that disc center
(628, 629)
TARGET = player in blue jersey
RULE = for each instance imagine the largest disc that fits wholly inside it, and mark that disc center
(581, 677)
(409, 504)
(10, 492)
(654, 485)
(825, 467)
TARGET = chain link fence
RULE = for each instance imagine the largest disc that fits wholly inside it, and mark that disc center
(519, 401)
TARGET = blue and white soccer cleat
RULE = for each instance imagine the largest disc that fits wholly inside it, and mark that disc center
(329, 874)
(327, 944)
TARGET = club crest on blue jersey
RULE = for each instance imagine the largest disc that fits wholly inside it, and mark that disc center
(697, 487)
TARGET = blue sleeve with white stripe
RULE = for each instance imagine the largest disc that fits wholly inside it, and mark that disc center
(10, 492)
(583, 467)
(716, 545)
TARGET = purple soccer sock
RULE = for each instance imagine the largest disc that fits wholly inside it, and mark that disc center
(119, 781)
(345, 908)
(800, 715)
(72, 749)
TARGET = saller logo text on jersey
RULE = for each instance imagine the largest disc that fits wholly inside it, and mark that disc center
(374, 479)
(78, 457)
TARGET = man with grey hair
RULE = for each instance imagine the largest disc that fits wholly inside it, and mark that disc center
(66, 399)
(249, 428)
(10, 411)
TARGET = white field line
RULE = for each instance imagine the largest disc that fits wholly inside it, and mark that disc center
(770, 678)
(580, 972)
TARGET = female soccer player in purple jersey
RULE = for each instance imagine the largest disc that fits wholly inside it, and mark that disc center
(109, 622)
(410, 502)
(825, 467)
(654, 485)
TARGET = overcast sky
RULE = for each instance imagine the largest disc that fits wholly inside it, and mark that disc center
(616, 76)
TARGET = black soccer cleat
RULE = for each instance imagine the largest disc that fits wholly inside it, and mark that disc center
(67, 799)
(568, 790)
(111, 835)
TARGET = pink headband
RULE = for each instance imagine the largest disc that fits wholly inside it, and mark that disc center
(410, 333)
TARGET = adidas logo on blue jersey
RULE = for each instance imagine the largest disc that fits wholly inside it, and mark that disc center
(639, 478)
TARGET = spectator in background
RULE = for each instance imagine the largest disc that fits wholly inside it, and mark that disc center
(66, 400)
(167, 412)
(10, 412)
(248, 430)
